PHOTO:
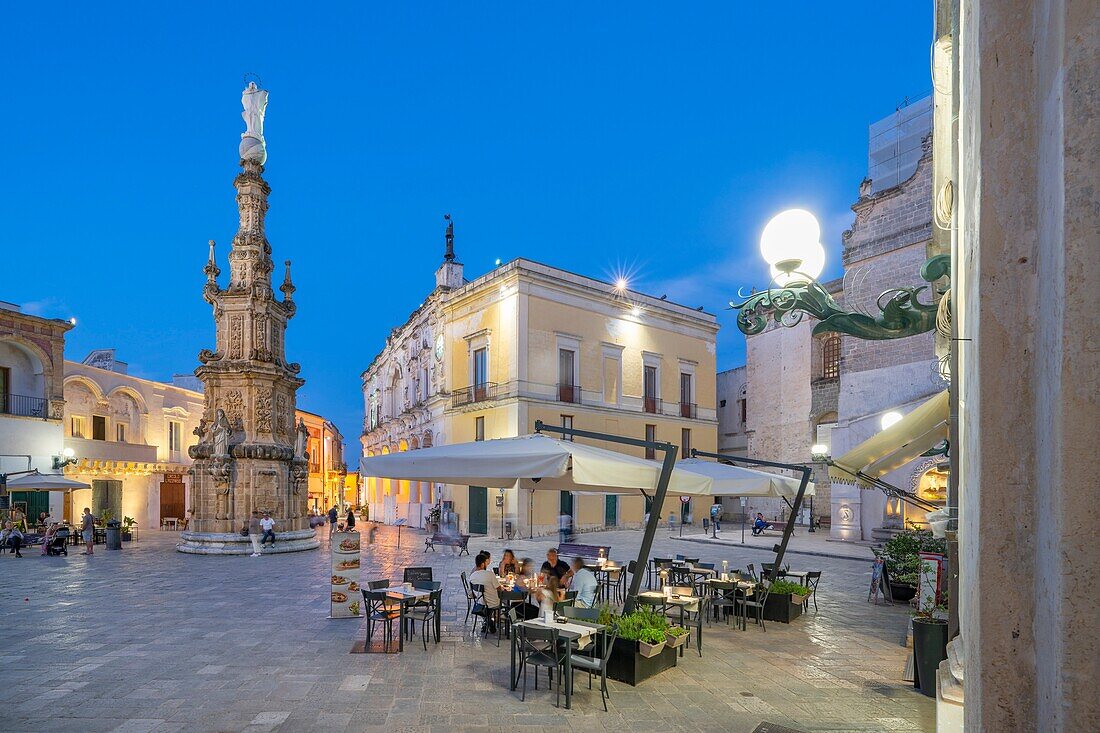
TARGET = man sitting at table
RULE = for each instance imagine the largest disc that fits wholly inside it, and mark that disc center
(584, 583)
(553, 566)
(487, 579)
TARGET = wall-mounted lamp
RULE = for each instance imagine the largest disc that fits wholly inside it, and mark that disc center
(67, 458)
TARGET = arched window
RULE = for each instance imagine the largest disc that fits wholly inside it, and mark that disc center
(830, 358)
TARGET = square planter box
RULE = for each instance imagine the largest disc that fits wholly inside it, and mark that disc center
(627, 665)
(779, 608)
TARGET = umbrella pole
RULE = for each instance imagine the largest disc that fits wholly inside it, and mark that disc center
(781, 548)
(658, 497)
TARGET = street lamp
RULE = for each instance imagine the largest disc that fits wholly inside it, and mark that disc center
(791, 246)
(67, 458)
(890, 418)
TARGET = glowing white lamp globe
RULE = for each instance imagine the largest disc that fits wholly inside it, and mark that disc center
(791, 243)
(68, 453)
(890, 418)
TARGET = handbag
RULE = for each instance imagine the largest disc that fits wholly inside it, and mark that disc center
(244, 530)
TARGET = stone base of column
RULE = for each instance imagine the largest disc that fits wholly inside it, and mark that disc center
(218, 543)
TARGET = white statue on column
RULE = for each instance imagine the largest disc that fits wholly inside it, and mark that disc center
(253, 146)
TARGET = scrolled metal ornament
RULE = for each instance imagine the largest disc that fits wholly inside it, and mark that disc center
(902, 313)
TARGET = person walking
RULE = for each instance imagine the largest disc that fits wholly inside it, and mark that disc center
(87, 530)
(333, 514)
(254, 533)
(351, 519)
(267, 524)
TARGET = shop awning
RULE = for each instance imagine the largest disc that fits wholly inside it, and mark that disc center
(919, 431)
(535, 462)
(44, 482)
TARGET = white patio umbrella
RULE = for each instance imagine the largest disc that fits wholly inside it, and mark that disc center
(722, 479)
(536, 462)
(44, 482)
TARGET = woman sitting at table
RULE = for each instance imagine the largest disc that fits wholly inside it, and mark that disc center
(508, 564)
(549, 594)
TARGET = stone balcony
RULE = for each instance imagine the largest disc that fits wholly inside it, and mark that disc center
(109, 450)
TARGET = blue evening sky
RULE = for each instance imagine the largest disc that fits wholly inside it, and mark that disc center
(652, 137)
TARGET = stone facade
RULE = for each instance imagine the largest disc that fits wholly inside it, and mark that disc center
(888, 242)
(484, 359)
(129, 438)
(251, 456)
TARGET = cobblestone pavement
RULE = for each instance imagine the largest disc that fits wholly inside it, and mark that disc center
(149, 639)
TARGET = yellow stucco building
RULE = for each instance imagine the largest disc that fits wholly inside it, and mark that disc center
(487, 358)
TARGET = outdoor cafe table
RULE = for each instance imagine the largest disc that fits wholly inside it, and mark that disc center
(746, 587)
(569, 631)
(404, 596)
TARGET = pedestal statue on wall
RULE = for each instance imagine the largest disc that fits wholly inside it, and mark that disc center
(247, 460)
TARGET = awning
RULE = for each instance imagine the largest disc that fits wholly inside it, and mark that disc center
(44, 482)
(895, 446)
(535, 462)
(726, 480)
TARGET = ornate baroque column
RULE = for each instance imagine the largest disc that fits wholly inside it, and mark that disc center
(250, 456)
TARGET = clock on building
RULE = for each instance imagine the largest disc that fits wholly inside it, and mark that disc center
(439, 347)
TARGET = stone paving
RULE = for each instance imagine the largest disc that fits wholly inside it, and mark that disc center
(149, 640)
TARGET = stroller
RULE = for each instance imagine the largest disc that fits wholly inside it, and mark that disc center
(58, 545)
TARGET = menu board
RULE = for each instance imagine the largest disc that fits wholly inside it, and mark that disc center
(346, 598)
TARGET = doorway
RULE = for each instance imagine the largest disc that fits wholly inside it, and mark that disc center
(611, 511)
(171, 499)
(478, 520)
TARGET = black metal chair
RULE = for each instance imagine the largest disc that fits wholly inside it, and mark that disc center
(723, 599)
(756, 603)
(542, 648)
(380, 609)
(425, 614)
(485, 612)
(812, 579)
(596, 663)
(654, 568)
(471, 598)
(584, 614)
(511, 600)
(752, 572)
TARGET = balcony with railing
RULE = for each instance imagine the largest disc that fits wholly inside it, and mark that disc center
(687, 409)
(651, 405)
(476, 393)
(24, 406)
(569, 393)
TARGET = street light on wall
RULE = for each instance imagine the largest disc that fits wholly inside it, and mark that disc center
(890, 418)
(67, 458)
(791, 246)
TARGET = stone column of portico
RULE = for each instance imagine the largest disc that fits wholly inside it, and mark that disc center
(1029, 363)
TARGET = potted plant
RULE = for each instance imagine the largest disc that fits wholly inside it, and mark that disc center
(901, 554)
(640, 633)
(929, 639)
(784, 602)
(675, 636)
(128, 523)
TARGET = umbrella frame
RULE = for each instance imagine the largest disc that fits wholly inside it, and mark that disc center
(659, 493)
(806, 471)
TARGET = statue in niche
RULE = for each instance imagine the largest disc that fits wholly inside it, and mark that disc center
(301, 440)
(221, 432)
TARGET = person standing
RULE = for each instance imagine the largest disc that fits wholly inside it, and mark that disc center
(333, 514)
(87, 531)
(350, 519)
(564, 526)
(716, 516)
(267, 524)
(254, 533)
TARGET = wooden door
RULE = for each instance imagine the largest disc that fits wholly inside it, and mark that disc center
(171, 500)
(479, 510)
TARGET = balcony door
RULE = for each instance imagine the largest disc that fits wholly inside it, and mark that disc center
(650, 387)
(481, 374)
(5, 388)
(567, 376)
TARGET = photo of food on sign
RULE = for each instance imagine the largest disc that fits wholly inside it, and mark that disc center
(338, 597)
(347, 564)
(349, 545)
(339, 580)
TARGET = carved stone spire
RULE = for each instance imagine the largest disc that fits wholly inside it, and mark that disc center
(247, 464)
(288, 293)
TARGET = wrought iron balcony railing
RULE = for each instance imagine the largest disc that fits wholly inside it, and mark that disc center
(475, 393)
(569, 393)
(24, 406)
(687, 409)
(652, 405)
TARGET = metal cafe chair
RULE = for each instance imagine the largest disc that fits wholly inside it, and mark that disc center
(379, 610)
(425, 614)
(471, 598)
(542, 648)
(812, 579)
(596, 663)
(584, 614)
(485, 613)
(756, 603)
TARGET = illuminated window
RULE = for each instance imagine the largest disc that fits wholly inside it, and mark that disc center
(830, 358)
(175, 435)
